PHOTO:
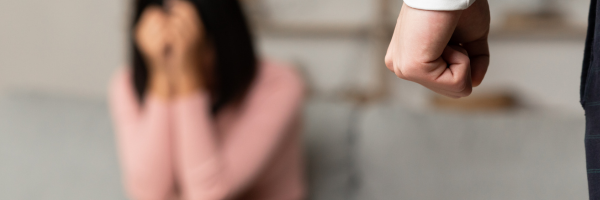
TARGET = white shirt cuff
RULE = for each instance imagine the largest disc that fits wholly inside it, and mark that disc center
(439, 4)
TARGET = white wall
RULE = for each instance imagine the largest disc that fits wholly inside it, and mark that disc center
(65, 46)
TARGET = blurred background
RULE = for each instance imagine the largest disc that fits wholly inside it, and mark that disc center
(368, 134)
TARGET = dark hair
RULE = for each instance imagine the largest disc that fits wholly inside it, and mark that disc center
(235, 60)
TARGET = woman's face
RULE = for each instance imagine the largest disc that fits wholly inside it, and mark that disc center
(173, 32)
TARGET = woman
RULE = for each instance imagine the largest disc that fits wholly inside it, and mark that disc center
(196, 116)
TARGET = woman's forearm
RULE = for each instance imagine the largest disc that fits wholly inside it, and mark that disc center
(216, 164)
(196, 149)
(143, 139)
(147, 154)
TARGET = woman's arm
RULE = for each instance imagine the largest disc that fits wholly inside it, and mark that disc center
(144, 141)
(212, 168)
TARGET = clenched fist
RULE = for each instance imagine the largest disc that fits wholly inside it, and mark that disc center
(445, 51)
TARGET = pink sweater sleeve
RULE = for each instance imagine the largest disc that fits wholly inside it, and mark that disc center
(216, 169)
(144, 141)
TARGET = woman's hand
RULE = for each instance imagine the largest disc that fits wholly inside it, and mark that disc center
(152, 39)
(173, 47)
(188, 48)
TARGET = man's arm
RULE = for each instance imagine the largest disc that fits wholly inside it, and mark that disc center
(445, 51)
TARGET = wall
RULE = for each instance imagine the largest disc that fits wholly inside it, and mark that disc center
(72, 47)
(63, 46)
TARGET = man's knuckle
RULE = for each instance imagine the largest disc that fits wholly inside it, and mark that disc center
(412, 70)
(389, 62)
(399, 74)
(466, 92)
(458, 85)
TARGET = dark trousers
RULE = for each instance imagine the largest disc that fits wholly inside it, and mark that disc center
(590, 100)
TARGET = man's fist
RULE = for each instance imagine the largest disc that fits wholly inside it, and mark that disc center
(445, 51)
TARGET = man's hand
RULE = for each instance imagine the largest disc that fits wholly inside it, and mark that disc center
(445, 51)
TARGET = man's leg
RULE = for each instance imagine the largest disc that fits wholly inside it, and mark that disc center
(590, 99)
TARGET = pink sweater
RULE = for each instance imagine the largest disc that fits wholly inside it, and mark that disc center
(252, 151)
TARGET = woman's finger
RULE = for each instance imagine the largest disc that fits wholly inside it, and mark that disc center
(187, 17)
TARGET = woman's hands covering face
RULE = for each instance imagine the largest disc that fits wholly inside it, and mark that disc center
(188, 47)
(171, 43)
